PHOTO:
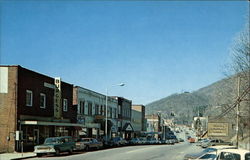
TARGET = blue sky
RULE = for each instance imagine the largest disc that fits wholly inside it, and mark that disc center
(155, 48)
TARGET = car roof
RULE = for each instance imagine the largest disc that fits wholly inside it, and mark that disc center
(239, 151)
(223, 147)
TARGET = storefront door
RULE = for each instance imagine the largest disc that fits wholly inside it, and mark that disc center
(36, 136)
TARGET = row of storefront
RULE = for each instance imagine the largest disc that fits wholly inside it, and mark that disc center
(35, 106)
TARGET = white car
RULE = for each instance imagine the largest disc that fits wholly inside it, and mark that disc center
(208, 150)
(226, 154)
(233, 154)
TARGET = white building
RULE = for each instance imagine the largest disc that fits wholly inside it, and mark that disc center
(91, 111)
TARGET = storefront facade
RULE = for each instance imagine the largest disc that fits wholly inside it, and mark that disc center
(91, 113)
(40, 107)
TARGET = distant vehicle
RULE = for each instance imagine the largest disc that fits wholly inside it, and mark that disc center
(234, 154)
(191, 140)
(181, 140)
(55, 145)
(214, 142)
(152, 141)
(134, 141)
(207, 150)
(143, 140)
(118, 141)
(91, 143)
(201, 141)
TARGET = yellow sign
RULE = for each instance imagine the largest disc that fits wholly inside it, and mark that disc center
(218, 129)
(57, 99)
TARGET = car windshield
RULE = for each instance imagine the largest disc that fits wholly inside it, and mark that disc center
(247, 156)
(85, 140)
(209, 150)
(51, 141)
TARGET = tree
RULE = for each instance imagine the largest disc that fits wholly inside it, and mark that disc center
(240, 67)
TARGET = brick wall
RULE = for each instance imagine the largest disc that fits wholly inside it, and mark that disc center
(30, 80)
(8, 112)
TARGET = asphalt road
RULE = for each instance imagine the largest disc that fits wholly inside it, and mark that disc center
(143, 152)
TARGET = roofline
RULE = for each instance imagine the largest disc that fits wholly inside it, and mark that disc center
(19, 66)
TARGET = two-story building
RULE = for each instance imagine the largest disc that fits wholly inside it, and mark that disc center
(91, 113)
(138, 119)
(125, 128)
(33, 107)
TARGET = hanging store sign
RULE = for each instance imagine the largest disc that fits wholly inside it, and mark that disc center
(57, 98)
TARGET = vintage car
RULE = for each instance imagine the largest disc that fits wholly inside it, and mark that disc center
(214, 142)
(80, 145)
(206, 151)
(91, 143)
(55, 145)
(234, 154)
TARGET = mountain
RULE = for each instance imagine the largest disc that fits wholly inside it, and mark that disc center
(204, 101)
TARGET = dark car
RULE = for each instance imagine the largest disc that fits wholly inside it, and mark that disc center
(55, 145)
(91, 143)
(135, 141)
(118, 141)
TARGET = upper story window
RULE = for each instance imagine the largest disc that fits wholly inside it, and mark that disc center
(65, 105)
(96, 109)
(119, 109)
(42, 100)
(89, 108)
(29, 98)
(81, 108)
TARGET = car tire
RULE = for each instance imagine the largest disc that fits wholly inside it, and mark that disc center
(57, 152)
(71, 151)
(39, 154)
(87, 148)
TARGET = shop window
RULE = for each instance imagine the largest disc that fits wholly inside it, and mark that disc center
(29, 98)
(65, 105)
(42, 100)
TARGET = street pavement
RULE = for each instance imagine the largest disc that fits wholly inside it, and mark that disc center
(142, 152)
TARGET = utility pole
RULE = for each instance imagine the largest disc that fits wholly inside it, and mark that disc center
(237, 113)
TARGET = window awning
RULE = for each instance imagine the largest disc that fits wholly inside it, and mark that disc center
(43, 123)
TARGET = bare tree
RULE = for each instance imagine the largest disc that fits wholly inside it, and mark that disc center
(240, 67)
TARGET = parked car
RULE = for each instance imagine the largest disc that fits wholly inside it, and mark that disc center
(208, 156)
(214, 142)
(134, 141)
(55, 145)
(191, 140)
(152, 140)
(91, 143)
(79, 144)
(207, 150)
(234, 154)
(199, 143)
(118, 141)
(143, 140)
(181, 140)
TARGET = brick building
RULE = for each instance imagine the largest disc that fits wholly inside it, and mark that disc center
(33, 107)
(138, 119)
(125, 128)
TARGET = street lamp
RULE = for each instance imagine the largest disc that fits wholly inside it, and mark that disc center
(106, 119)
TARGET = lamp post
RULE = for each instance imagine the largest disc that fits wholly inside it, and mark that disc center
(106, 113)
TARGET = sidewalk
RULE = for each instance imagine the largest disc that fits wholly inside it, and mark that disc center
(16, 155)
